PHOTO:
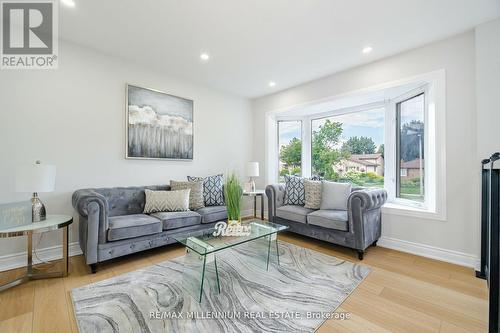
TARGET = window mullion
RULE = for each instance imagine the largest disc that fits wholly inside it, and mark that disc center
(306, 147)
(390, 149)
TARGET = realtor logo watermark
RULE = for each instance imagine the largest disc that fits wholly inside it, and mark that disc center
(29, 36)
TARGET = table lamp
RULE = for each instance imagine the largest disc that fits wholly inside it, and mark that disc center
(252, 171)
(36, 178)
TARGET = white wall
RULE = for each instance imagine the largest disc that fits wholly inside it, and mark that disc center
(455, 238)
(74, 117)
(487, 88)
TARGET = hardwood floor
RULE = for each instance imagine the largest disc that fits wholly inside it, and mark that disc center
(403, 293)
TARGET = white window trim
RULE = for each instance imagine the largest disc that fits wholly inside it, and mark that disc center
(391, 146)
(435, 148)
(434, 151)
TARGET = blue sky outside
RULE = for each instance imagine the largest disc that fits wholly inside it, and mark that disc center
(367, 123)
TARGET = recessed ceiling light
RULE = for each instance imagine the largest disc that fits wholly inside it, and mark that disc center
(204, 56)
(69, 3)
(272, 83)
(367, 49)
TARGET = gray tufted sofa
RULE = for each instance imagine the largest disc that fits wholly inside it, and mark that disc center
(358, 227)
(112, 223)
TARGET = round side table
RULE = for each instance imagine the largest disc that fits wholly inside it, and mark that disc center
(51, 223)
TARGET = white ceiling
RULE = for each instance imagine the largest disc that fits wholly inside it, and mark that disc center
(253, 42)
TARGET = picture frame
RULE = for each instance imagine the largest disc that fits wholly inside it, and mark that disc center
(159, 126)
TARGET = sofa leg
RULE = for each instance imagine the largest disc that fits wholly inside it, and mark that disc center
(374, 243)
(93, 268)
(360, 254)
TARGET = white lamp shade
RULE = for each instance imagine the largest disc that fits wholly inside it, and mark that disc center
(253, 169)
(36, 178)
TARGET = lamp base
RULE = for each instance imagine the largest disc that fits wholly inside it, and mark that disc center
(252, 184)
(38, 212)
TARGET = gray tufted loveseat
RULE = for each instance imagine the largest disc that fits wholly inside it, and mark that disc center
(358, 227)
(112, 223)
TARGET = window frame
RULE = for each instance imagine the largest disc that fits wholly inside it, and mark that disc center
(356, 109)
(435, 135)
(392, 145)
(399, 102)
(278, 121)
(403, 174)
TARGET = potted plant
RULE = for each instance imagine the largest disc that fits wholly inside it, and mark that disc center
(233, 193)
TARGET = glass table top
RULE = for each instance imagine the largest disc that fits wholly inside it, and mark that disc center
(52, 222)
(206, 241)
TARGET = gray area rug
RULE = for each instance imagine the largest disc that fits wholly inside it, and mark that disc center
(295, 296)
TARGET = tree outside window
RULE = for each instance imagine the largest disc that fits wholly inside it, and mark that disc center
(290, 148)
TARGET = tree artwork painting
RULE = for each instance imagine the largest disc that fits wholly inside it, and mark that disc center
(159, 125)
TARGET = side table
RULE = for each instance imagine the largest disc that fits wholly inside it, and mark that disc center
(255, 194)
(51, 223)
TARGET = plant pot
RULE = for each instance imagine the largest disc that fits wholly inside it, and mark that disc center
(234, 222)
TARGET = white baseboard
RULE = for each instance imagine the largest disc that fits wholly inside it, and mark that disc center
(454, 257)
(17, 260)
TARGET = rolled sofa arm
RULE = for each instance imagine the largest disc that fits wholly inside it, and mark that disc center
(93, 225)
(82, 198)
(367, 199)
(275, 195)
(365, 216)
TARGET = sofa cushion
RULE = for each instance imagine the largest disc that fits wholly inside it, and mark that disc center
(131, 226)
(213, 189)
(335, 195)
(313, 193)
(293, 213)
(212, 214)
(196, 194)
(166, 201)
(294, 190)
(174, 220)
(332, 219)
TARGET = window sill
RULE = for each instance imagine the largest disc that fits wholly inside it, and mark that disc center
(403, 210)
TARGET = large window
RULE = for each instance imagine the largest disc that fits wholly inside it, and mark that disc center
(349, 148)
(392, 141)
(410, 136)
(290, 148)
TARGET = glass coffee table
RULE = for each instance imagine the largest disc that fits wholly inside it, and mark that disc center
(202, 246)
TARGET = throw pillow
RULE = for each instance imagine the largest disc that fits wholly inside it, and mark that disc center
(312, 194)
(196, 194)
(166, 201)
(294, 191)
(334, 195)
(213, 189)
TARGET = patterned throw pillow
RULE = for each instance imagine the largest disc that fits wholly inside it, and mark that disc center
(294, 191)
(196, 194)
(313, 194)
(213, 190)
(166, 201)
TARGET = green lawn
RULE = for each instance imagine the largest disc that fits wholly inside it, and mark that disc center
(411, 191)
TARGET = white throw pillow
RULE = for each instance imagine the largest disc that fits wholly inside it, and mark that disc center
(166, 201)
(334, 195)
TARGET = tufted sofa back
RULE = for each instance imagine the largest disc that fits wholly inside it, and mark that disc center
(127, 200)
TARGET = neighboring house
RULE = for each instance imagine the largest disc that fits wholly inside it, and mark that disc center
(411, 169)
(362, 163)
